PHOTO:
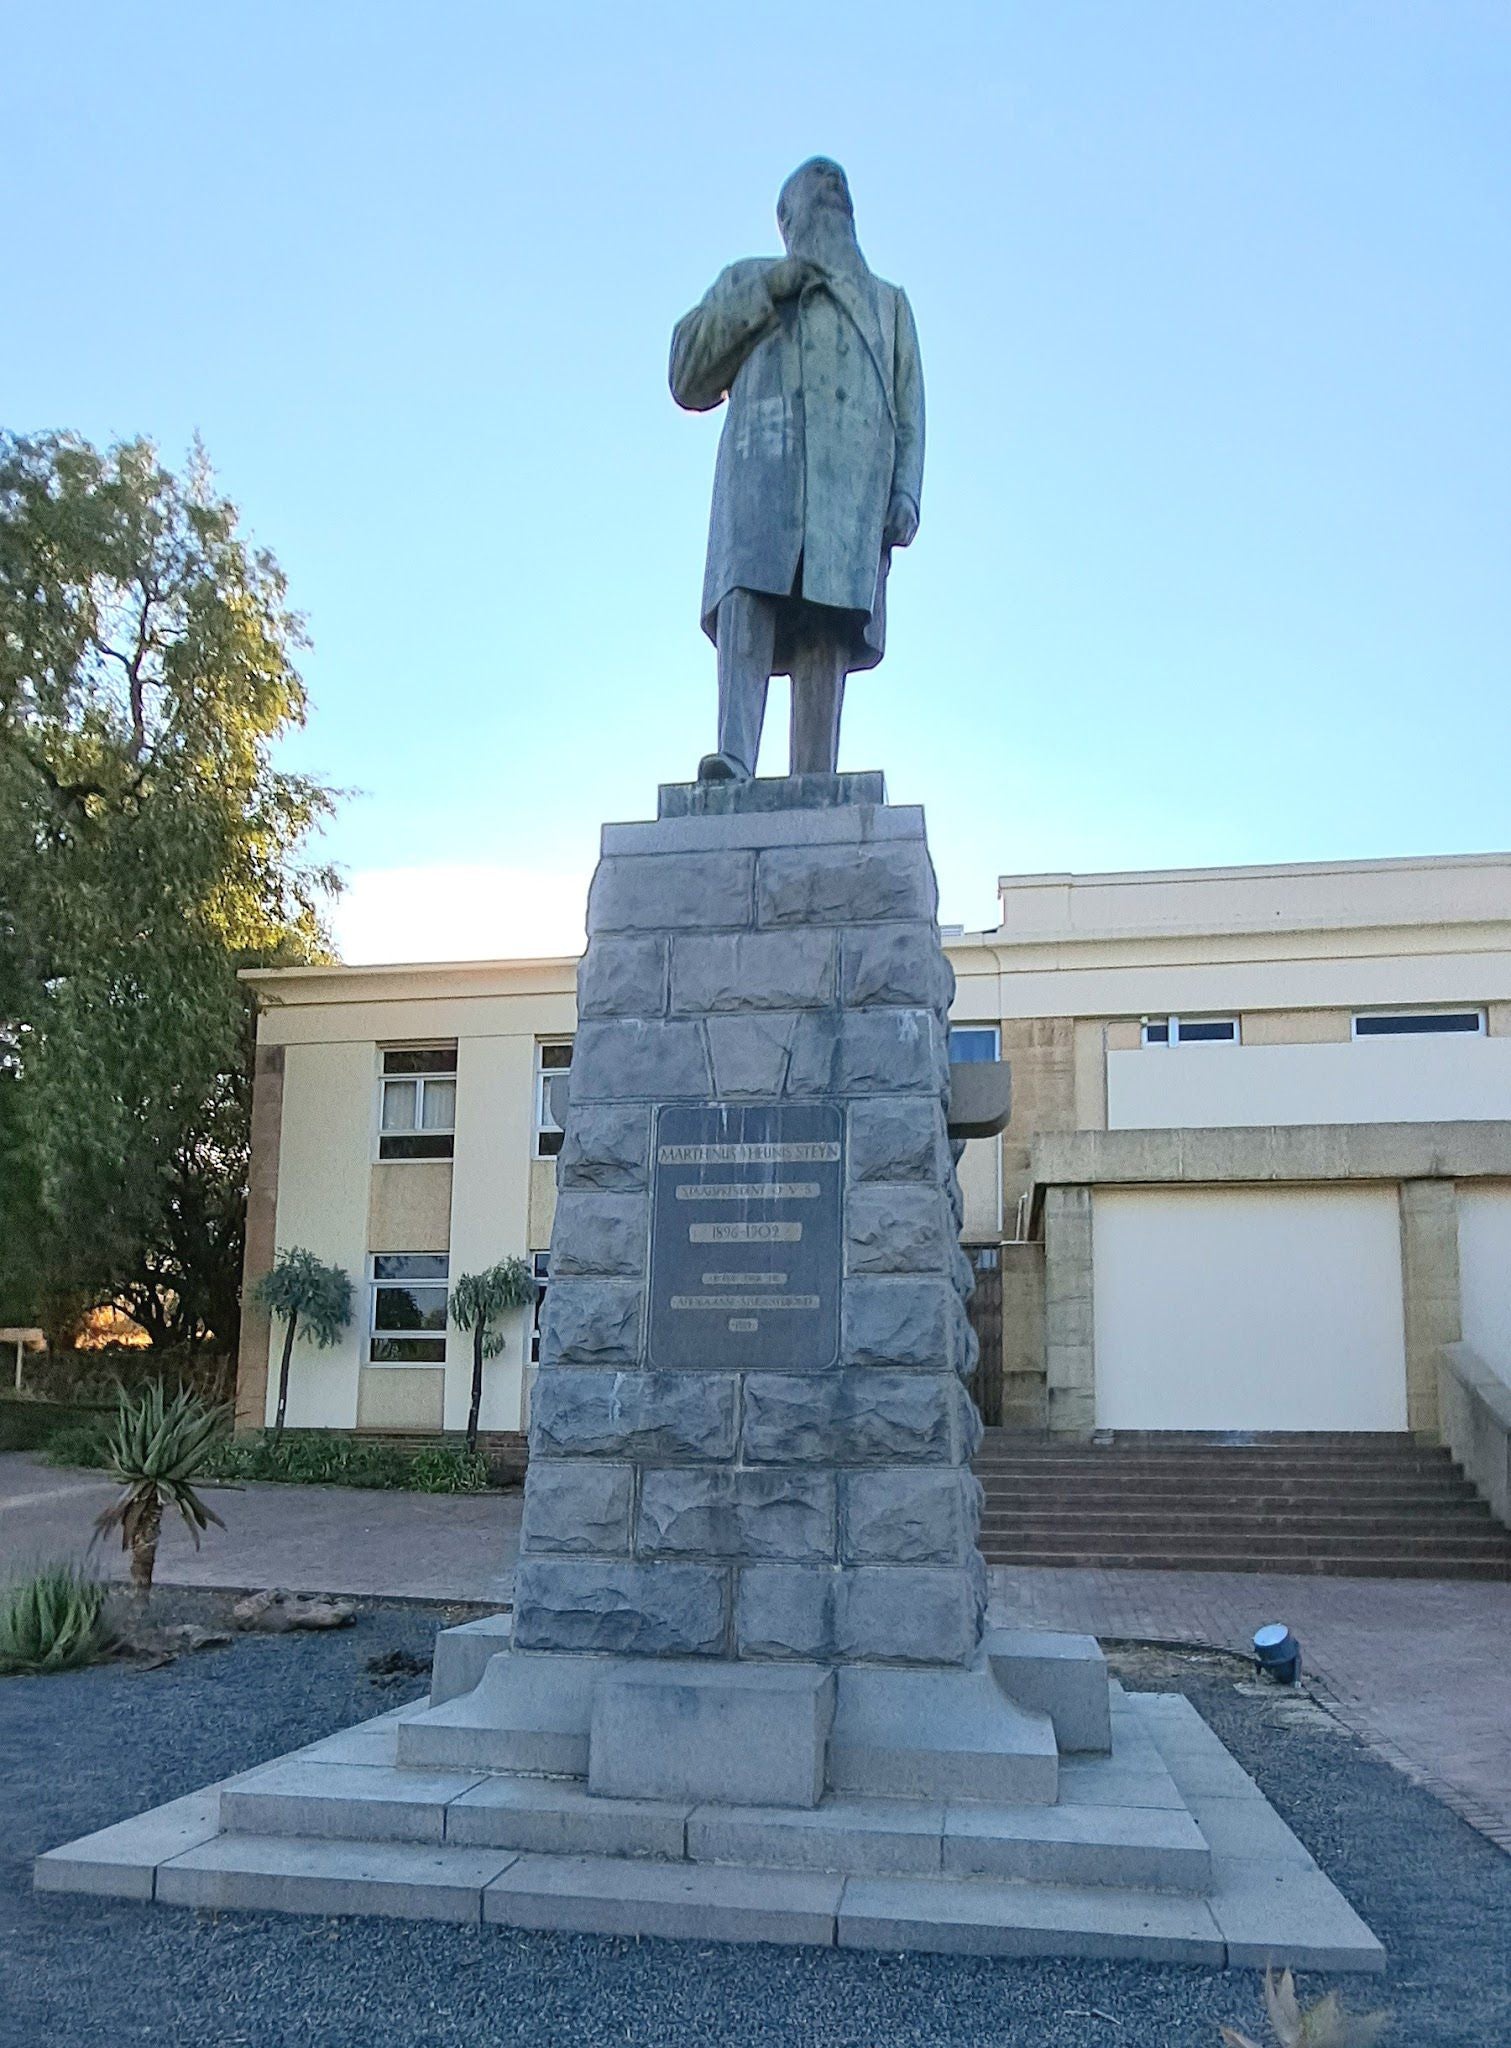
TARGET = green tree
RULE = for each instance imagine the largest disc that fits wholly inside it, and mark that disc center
(148, 848)
(476, 1303)
(302, 1289)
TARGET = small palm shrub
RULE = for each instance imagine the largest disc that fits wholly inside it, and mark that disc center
(52, 1621)
(159, 1448)
(301, 1288)
(477, 1301)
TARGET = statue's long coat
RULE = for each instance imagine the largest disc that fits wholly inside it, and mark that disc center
(825, 424)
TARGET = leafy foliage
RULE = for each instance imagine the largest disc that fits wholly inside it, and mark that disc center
(80, 1443)
(52, 1621)
(148, 848)
(159, 1448)
(304, 1291)
(319, 1459)
(1323, 2025)
(476, 1302)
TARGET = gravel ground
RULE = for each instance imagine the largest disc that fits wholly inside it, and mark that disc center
(93, 1747)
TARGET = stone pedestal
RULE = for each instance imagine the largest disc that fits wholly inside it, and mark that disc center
(750, 1440)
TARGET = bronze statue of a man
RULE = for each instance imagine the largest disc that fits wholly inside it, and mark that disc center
(819, 474)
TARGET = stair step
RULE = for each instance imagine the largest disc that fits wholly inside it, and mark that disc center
(1307, 1562)
(1425, 1526)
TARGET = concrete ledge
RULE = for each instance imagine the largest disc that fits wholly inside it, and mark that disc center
(751, 1735)
(462, 1653)
(119, 1862)
(690, 1902)
(1064, 1676)
(1027, 1920)
(939, 1735)
(276, 1874)
(1474, 1405)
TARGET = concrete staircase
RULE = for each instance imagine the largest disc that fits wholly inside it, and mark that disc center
(1366, 1505)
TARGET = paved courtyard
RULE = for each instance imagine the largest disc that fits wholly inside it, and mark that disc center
(1417, 1666)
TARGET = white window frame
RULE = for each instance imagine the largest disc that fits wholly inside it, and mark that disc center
(1172, 1026)
(1405, 1030)
(993, 1031)
(419, 1129)
(376, 1282)
(546, 1126)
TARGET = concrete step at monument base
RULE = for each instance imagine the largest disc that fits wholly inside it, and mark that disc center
(1375, 1505)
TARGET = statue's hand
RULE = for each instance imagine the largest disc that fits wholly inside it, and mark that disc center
(786, 277)
(902, 521)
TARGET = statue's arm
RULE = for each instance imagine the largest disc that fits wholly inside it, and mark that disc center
(712, 341)
(907, 374)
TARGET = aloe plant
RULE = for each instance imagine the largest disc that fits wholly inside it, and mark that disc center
(52, 1621)
(159, 1448)
(1323, 2025)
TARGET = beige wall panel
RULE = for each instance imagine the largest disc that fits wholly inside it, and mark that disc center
(1498, 1019)
(542, 1204)
(1368, 1081)
(261, 1235)
(1024, 1404)
(1248, 1308)
(1091, 1038)
(401, 1397)
(409, 1207)
(980, 1171)
(1296, 1027)
(1124, 1034)
(495, 1116)
(532, 1016)
(325, 1159)
(1485, 1271)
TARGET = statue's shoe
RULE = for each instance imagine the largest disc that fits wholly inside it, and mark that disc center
(722, 768)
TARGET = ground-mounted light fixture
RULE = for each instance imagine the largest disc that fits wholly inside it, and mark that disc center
(1277, 1654)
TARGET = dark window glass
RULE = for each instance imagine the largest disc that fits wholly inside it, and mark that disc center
(548, 1143)
(1157, 1032)
(1406, 1024)
(408, 1351)
(555, 1058)
(1213, 1030)
(970, 1044)
(542, 1267)
(420, 1059)
(406, 1308)
(410, 1266)
(421, 1145)
(986, 1258)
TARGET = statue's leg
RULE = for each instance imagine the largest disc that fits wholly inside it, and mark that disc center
(818, 694)
(746, 632)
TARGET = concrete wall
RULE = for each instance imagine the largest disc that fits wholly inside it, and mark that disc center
(1484, 1216)
(325, 1156)
(489, 1211)
(1382, 1080)
(1248, 1308)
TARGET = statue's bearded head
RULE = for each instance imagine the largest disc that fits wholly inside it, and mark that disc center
(815, 214)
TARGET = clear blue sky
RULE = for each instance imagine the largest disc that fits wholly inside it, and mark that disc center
(1213, 302)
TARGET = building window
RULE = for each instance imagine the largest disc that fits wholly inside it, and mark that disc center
(972, 1043)
(407, 1318)
(541, 1262)
(1413, 1023)
(1190, 1030)
(417, 1106)
(552, 1058)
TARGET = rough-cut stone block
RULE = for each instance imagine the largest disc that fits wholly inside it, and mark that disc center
(736, 1513)
(855, 801)
(910, 1514)
(853, 1418)
(900, 963)
(753, 1737)
(877, 1614)
(622, 978)
(599, 1234)
(578, 1504)
(671, 892)
(868, 1052)
(845, 884)
(637, 1059)
(914, 1322)
(753, 971)
(607, 1146)
(644, 1610)
(750, 1054)
(897, 1138)
(639, 1415)
(681, 1901)
(892, 1229)
(591, 1322)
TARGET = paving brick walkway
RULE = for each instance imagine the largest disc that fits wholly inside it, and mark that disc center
(1420, 1667)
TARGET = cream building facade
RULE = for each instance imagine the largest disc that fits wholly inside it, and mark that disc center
(1257, 1177)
